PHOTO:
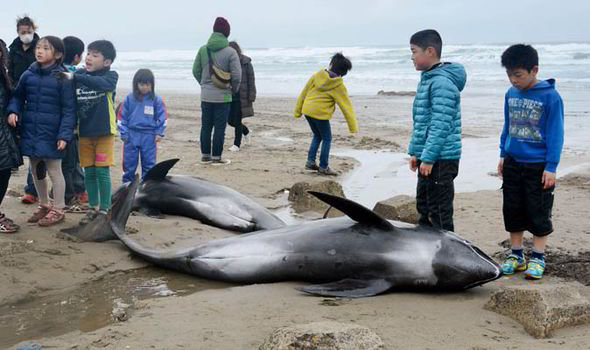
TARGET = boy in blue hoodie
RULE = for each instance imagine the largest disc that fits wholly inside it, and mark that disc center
(530, 148)
(435, 147)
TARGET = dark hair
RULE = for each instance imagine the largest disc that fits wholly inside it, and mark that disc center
(427, 38)
(25, 21)
(234, 45)
(520, 56)
(143, 75)
(105, 47)
(74, 46)
(4, 77)
(57, 44)
(340, 64)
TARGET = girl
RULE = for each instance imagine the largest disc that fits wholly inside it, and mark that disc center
(241, 106)
(142, 120)
(44, 107)
(9, 153)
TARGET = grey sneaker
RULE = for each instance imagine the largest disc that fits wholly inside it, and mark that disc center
(205, 159)
(312, 166)
(220, 162)
(327, 171)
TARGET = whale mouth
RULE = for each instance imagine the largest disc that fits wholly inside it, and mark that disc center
(497, 271)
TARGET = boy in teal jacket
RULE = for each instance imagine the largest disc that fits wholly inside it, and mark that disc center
(435, 147)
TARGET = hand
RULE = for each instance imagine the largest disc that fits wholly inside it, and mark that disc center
(413, 163)
(501, 167)
(61, 145)
(63, 75)
(426, 169)
(158, 138)
(548, 179)
(12, 119)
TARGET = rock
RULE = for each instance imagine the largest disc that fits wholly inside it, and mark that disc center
(303, 201)
(543, 308)
(396, 93)
(400, 208)
(323, 336)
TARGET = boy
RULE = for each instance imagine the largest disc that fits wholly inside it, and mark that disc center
(435, 147)
(530, 148)
(317, 102)
(97, 125)
(76, 194)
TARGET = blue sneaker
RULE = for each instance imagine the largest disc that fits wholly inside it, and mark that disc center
(535, 269)
(513, 263)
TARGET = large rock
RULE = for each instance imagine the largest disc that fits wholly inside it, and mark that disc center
(323, 336)
(303, 201)
(400, 208)
(543, 308)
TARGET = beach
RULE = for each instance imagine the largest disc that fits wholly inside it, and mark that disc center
(66, 294)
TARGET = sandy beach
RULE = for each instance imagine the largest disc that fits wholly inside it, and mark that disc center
(66, 294)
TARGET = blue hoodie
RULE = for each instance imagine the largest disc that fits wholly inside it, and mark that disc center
(533, 125)
(148, 115)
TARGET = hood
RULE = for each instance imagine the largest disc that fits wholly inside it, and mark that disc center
(217, 41)
(455, 72)
(544, 84)
(18, 45)
(36, 68)
(324, 82)
(245, 59)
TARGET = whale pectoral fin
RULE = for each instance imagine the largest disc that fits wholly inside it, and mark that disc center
(349, 288)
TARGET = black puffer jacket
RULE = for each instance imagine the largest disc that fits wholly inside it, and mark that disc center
(19, 60)
(247, 87)
(10, 156)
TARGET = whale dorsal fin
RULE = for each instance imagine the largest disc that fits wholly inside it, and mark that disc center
(160, 170)
(354, 210)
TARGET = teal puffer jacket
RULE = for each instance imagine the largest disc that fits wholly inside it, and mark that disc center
(437, 114)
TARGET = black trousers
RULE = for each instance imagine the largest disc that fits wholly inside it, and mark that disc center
(435, 194)
(235, 120)
(4, 178)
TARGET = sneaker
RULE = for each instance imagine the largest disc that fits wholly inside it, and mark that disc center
(53, 217)
(220, 162)
(29, 199)
(327, 171)
(234, 148)
(39, 214)
(312, 166)
(90, 215)
(513, 263)
(535, 269)
(205, 160)
(82, 197)
(7, 225)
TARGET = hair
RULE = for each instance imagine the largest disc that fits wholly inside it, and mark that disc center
(4, 77)
(58, 46)
(105, 47)
(234, 45)
(340, 64)
(520, 56)
(25, 21)
(428, 38)
(143, 75)
(74, 46)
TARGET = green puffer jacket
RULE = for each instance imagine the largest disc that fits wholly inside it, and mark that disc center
(437, 114)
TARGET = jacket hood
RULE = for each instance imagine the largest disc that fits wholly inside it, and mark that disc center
(324, 82)
(544, 84)
(245, 59)
(36, 68)
(217, 41)
(455, 72)
(18, 45)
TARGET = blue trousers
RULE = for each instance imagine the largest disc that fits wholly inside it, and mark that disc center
(322, 133)
(213, 121)
(30, 186)
(138, 144)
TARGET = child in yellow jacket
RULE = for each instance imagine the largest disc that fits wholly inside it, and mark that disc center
(317, 102)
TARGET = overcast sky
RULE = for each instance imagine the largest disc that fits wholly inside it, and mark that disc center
(186, 24)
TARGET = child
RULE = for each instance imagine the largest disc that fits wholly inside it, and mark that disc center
(142, 120)
(241, 105)
(435, 146)
(76, 194)
(530, 148)
(9, 153)
(95, 91)
(45, 109)
(317, 103)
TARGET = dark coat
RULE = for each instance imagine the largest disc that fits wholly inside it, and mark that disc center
(46, 110)
(247, 87)
(10, 156)
(20, 60)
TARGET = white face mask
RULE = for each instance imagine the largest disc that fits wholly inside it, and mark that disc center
(26, 38)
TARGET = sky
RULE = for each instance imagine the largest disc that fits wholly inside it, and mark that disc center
(187, 24)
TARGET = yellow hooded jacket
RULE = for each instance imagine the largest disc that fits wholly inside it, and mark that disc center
(318, 98)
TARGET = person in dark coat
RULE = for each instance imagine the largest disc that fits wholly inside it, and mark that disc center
(242, 101)
(9, 153)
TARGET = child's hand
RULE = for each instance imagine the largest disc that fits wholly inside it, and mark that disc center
(158, 138)
(12, 119)
(413, 163)
(425, 169)
(64, 75)
(548, 179)
(61, 145)
(501, 167)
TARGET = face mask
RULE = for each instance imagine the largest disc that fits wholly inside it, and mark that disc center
(26, 38)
